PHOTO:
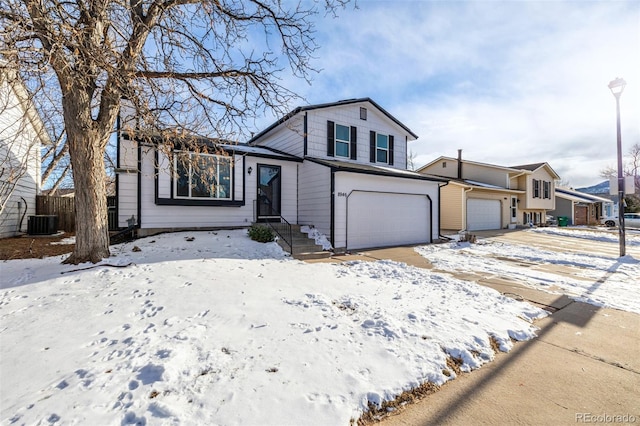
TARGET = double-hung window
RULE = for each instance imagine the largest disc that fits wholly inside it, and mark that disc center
(536, 188)
(382, 148)
(202, 176)
(343, 140)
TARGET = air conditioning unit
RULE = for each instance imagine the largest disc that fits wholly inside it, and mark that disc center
(42, 225)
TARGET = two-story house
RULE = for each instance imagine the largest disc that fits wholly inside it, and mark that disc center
(339, 167)
(483, 196)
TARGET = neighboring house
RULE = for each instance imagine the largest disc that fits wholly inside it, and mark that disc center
(581, 208)
(21, 135)
(483, 196)
(340, 167)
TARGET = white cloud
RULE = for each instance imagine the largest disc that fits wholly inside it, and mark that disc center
(508, 82)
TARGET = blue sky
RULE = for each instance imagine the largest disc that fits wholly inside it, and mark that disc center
(508, 82)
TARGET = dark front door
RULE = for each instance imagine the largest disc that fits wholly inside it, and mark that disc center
(269, 192)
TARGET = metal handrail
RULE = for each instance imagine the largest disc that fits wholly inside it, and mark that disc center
(281, 228)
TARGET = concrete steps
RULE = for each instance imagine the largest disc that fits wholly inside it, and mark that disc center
(303, 247)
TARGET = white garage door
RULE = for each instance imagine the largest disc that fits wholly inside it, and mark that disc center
(377, 219)
(483, 214)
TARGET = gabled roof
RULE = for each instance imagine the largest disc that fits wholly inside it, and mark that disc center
(344, 166)
(479, 185)
(223, 144)
(495, 166)
(535, 166)
(510, 169)
(581, 197)
(330, 105)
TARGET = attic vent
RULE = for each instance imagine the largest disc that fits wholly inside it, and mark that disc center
(444, 164)
(363, 113)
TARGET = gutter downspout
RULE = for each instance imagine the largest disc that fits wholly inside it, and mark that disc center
(440, 211)
(466, 213)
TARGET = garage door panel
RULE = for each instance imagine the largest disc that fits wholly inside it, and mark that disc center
(483, 214)
(387, 219)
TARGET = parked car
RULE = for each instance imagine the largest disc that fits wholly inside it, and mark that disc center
(631, 220)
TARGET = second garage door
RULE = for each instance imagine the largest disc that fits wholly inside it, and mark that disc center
(483, 214)
(378, 219)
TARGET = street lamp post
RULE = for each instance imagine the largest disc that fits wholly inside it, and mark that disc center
(616, 87)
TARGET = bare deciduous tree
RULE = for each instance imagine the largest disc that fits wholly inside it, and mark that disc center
(411, 160)
(186, 66)
(631, 167)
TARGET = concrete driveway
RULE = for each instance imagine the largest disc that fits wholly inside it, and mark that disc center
(584, 367)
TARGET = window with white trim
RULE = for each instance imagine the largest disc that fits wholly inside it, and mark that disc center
(536, 188)
(382, 148)
(202, 176)
(343, 141)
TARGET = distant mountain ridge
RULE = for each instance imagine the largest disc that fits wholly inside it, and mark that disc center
(600, 188)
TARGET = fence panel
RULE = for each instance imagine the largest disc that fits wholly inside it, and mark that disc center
(63, 207)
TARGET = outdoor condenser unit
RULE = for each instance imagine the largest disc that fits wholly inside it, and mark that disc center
(42, 225)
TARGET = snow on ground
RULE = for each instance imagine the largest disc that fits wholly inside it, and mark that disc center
(597, 279)
(219, 329)
(598, 234)
(319, 238)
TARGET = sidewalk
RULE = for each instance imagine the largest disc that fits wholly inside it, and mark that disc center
(584, 366)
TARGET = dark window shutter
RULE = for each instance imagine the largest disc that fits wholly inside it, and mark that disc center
(354, 143)
(390, 150)
(372, 146)
(330, 138)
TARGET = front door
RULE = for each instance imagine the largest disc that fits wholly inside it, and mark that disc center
(269, 192)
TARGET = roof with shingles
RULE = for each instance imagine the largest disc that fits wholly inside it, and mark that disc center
(344, 166)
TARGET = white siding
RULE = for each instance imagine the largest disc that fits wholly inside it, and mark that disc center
(287, 137)
(346, 183)
(127, 198)
(19, 161)
(175, 217)
(349, 115)
(127, 181)
(314, 196)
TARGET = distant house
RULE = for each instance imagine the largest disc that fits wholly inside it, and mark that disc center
(21, 135)
(482, 196)
(581, 208)
(340, 167)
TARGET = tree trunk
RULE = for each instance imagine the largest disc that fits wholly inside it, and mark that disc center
(92, 230)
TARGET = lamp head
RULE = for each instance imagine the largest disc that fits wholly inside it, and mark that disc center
(617, 86)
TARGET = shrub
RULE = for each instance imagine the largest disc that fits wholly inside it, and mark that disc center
(261, 233)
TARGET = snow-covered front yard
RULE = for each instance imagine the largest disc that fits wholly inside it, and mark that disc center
(224, 330)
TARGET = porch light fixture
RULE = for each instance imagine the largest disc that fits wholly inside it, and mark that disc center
(617, 87)
(249, 170)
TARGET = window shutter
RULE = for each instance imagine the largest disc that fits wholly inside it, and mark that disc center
(390, 150)
(354, 143)
(330, 138)
(372, 146)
